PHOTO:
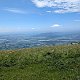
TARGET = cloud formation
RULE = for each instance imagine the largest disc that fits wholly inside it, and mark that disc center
(55, 25)
(15, 10)
(60, 6)
(33, 28)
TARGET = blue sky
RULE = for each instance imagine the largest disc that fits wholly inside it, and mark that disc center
(39, 15)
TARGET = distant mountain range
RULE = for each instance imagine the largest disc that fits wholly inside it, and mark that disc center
(14, 41)
(71, 35)
(50, 34)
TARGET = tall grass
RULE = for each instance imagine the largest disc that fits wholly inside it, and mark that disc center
(45, 63)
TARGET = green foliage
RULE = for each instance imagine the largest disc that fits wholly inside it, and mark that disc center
(45, 63)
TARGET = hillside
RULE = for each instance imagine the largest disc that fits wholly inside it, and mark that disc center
(44, 63)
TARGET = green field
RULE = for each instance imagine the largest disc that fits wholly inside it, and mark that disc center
(45, 63)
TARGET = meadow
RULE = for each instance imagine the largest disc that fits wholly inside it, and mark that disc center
(43, 63)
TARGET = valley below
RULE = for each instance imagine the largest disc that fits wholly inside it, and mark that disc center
(16, 41)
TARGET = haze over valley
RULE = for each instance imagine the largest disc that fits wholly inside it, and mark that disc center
(17, 41)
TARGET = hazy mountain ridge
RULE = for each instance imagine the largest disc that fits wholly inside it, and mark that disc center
(14, 41)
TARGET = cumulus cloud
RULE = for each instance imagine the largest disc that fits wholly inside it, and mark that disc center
(15, 10)
(55, 25)
(33, 28)
(61, 6)
(48, 11)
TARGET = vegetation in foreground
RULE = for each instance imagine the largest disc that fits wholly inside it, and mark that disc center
(45, 63)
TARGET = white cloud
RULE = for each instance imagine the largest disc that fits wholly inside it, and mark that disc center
(55, 25)
(48, 11)
(15, 10)
(61, 6)
(32, 28)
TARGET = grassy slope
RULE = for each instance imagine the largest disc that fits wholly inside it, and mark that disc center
(45, 63)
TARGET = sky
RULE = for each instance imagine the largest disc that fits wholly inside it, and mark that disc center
(39, 15)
